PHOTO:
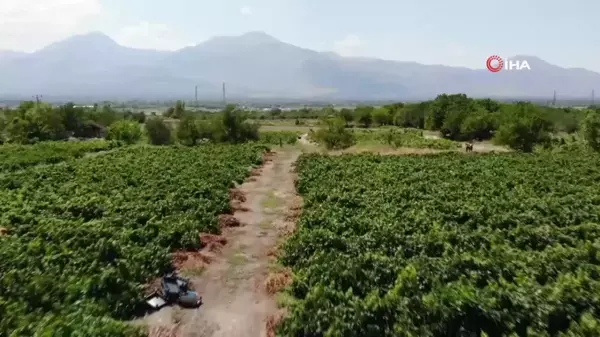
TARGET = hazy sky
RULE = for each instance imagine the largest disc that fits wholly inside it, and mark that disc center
(459, 32)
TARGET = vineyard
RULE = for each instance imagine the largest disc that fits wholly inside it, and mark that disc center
(15, 157)
(409, 138)
(277, 137)
(80, 239)
(446, 245)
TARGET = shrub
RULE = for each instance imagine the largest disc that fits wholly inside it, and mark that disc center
(523, 127)
(158, 132)
(335, 136)
(590, 128)
(126, 131)
(187, 131)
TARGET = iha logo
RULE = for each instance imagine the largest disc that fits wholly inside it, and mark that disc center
(496, 63)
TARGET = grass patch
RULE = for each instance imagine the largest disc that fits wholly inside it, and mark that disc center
(194, 272)
(270, 201)
(238, 259)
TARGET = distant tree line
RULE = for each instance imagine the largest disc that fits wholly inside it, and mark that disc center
(34, 121)
(520, 125)
(37, 121)
(230, 125)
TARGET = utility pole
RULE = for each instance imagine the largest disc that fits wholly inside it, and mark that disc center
(38, 99)
(554, 99)
(224, 95)
(593, 98)
(196, 97)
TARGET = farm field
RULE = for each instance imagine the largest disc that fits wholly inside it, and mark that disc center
(446, 245)
(15, 157)
(80, 240)
(274, 137)
(409, 138)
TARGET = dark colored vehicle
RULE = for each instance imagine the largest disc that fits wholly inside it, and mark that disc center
(190, 300)
(174, 289)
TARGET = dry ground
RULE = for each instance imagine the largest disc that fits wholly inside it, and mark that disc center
(235, 285)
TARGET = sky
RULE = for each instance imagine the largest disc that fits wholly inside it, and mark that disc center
(457, 33)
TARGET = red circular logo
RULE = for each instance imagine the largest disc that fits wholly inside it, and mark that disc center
(495, 68)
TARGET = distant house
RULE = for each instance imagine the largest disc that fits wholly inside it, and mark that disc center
(94, 130)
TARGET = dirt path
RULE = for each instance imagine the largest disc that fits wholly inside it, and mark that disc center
(233, 285)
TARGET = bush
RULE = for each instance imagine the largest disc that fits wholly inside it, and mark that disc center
(279, 137)
(523, 127)
(335, 136)
(233, 127)
(126, 131)
(590, 128)
(477, 125)
(158, 132)
(187, 131)
(177, 111)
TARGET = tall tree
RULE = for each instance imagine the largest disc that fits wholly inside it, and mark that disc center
(364, 115)
(591, 130)
(524, 126)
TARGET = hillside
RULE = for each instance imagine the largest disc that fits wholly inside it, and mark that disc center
(257, 65)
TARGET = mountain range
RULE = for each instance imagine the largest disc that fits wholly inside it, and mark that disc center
(256, 65)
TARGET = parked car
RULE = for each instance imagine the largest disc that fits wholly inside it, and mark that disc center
(174, 289)
(190, 300)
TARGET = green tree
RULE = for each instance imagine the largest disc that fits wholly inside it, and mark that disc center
(73, 119)
(328, 111)
(210, 129)
(179, 110)
(335, 135)
(126, 131)
(2, 124)
(49, 123)
(447, 112)
(590, 128)
(411, 115)
(169, 113)
(17, 131)
(158, 132)
(234, 126)
(25, 106)
(364, 115)
(523, 126)
(104, 116)
(394, 109)
(275, 113)
(381, 116)
(489, 104)
(436, 112)
(140, 117)
(346, 115)
(478, 124)
(39, 122)
(457, 109)
(187, 131)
